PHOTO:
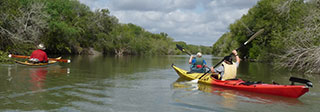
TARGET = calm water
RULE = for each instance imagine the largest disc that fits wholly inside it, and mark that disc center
(140, 84)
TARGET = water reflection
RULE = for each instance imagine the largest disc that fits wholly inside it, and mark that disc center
(231, 98)
(34, 78)
(143, 84)
(38, 77)
(9, 73)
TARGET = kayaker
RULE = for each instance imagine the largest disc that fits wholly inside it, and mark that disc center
(228, 69)
(198, 64)
(39, 56)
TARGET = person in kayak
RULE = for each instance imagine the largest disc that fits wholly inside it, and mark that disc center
(39, 56)
(198, 64)
(228, 69)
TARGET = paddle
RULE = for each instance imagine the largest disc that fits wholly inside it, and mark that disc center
(299, 80)
(183, 50)
(27, 57)
(244, 44)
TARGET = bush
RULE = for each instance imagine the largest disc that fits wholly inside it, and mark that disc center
(4, 57)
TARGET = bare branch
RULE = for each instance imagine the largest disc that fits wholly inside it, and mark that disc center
(303, 50)
(27, 27)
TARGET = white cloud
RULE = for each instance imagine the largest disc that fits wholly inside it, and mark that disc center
(151, 5)
(199, 22)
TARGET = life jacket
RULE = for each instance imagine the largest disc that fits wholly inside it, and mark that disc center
(199, 62)
(230, 71)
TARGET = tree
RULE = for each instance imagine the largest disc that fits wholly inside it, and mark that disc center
(303, 43)
(25, 26)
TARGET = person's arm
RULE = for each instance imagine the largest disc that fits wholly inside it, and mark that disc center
(217, 70)
(190, 60)
(205, 63)
(235, 53)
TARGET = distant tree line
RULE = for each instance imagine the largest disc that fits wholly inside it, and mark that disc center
(291, 38)
(69, 27)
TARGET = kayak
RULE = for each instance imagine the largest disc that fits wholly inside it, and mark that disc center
(293, 91)
(50, 59)
(231, 94)
(37, 64)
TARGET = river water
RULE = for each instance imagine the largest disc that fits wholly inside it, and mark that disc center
(141, 84)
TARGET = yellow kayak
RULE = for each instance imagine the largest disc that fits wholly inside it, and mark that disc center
(206, 79)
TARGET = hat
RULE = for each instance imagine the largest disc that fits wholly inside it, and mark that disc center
(199, 54)
(41, 46)
(228, 58)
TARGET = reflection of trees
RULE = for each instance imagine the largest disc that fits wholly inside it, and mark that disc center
(112, 66)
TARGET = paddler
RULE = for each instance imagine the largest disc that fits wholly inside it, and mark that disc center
(228, 69)
(39, 56)
(198, 64)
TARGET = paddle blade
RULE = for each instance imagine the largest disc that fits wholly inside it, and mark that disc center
(182, 49)
(254, 36)
(194, 81)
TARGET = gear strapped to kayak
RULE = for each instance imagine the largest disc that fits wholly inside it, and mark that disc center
(248, 83)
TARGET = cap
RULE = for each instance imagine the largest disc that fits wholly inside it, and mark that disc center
(199, 54)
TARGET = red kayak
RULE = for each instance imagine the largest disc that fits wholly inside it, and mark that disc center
(292, 90)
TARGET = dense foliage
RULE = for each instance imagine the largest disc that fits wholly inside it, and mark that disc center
(69, 27)
(291, 36)
(193, 49)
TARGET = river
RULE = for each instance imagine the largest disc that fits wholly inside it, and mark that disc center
(141, 84)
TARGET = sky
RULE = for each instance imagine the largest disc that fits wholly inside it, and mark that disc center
(197, 22)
